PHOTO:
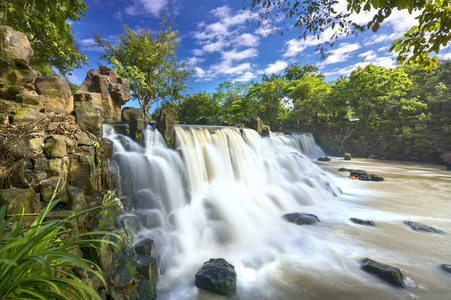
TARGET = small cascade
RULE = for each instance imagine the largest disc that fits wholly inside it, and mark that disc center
(220, 193)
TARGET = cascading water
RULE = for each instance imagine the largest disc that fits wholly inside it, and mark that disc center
(222, 193)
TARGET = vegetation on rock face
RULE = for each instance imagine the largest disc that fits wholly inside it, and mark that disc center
(47, 25)
(314, 17)
(38, 262)
(149, 61)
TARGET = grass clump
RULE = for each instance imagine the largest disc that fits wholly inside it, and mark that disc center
(36, 262)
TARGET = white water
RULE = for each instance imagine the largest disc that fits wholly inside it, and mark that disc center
(222, 193)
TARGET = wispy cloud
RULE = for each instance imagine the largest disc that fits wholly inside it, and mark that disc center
(276, 67)
(341, 54)
(385, 61)
(148, 7)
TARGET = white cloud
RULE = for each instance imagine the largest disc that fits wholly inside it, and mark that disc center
(214, 47)
(247, 76)
(368, 55)
(192, 61)
(385, 49)
(402, 21)
(295, 46)
(239, 55)
(240, 69)
(380, 38)
(246, 40)
(340, 54)
(146, 7)
(199, 72)
(276, 67)
(385, 61)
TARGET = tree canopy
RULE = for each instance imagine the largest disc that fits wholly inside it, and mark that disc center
(313, 17)
(47, 24)
(149, 60)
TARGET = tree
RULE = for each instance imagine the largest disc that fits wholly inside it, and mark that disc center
(193, 107)
(313, 17)
(296, 71)
(47, 24)
(270, 95)
(309, 95)
(149, 61)
(371, 90)
(231, 96)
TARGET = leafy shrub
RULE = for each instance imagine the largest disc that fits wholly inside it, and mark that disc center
(37, 262)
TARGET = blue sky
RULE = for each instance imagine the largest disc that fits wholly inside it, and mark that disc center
(222, 42)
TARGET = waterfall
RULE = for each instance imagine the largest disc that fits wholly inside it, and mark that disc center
(220, 193)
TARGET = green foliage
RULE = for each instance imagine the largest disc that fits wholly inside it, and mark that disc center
(149, 61)
(47, 24)
(73, 87)
(36, 262)
(313, 17)
(192, 108)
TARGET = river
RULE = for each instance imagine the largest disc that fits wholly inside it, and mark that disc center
(222, 193)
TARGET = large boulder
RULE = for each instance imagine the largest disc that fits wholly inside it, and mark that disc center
(15, 43)
(18, 200)
(89, 117)
(390, 274)
(55, 146)
(217, 276)
(56, 91)
(16, 77)
(105, 88)
(165, 124)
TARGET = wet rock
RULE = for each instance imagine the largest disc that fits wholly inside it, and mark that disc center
(55, 146)
(257, 124)
(20, 199)
(376, 178)
(422, 227)
(165, 125)
(363, 222)
(265, 131)
(147, 267)
(56, 91)
(301, 218)
(389, 274)
(134, 117)
(105, 254)
(202, 121)
(145, 247)
(347, 156)
(131, 226)
(363, 175)
(217, 276)
(325, 158)
(344, 170)
(446, 268)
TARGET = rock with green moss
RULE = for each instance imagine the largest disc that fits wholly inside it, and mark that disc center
(53, 187)
(55, 146)
(20, 200)
(257, 124)
(15, 43)
(89, 117)
(25, 115)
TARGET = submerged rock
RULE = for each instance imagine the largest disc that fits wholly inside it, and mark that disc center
(390, 274)
(362, 175)
(344, 170)
(363, 222)
(446, 268)
(217, 276)
(422, 227)
(301, 218)
(325, 158)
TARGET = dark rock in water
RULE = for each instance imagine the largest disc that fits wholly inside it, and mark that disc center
(363, 175)
(390, 274)
(363, 222)
(301, 218)
(446, 268)
(344, 170)
(145, 246)
(131, 226)
(421, 227)
(217, 276)
(376, 178)
(325, 158)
